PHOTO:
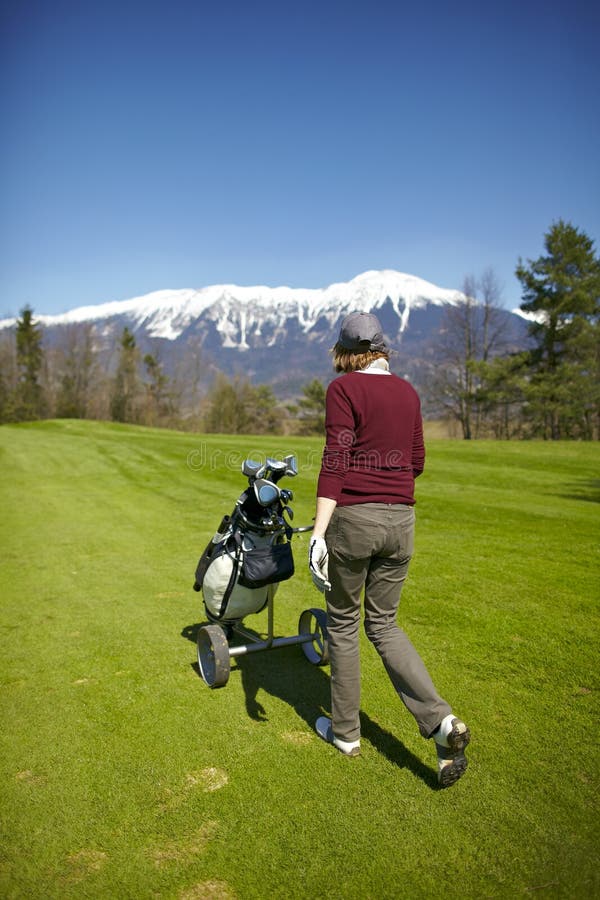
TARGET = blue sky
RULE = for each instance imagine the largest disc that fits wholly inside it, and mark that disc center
(165, 145)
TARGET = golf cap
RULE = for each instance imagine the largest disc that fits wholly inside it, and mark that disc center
(362, 331)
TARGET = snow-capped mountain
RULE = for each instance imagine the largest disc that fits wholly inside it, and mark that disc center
(240, 314)
(278, 336)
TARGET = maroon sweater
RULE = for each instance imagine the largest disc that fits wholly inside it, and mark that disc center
(374, 440)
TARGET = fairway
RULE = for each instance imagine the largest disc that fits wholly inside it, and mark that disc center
(124, 776)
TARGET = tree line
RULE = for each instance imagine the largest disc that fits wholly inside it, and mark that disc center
(550, 389)
(70, 381)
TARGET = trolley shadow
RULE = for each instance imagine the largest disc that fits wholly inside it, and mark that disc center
(306, 689)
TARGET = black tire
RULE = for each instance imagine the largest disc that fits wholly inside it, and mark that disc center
(314, 622)
(213, 656)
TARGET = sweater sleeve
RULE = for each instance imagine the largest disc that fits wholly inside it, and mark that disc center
(340, 437)
(418, 446)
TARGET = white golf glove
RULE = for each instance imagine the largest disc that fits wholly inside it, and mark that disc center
(317, 563)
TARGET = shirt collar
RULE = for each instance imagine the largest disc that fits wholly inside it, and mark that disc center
(377, 367)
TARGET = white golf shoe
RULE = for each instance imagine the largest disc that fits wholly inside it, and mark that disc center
(325, 731)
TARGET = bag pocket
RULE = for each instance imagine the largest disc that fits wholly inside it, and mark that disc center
(266, 565)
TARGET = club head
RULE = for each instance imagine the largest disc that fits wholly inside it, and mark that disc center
(276, 468)
(289, 511)
(250, 468)
(291, 465)
(276, 465)
(266, 492)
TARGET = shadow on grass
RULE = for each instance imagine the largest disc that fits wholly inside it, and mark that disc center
(286, 673)
(589, 491)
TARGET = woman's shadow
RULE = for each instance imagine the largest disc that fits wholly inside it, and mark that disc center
(286, 673)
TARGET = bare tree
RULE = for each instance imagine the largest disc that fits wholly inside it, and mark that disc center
(473, 332)
(75, 370)
(192, 380)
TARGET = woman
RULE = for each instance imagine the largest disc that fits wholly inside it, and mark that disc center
(363, 538)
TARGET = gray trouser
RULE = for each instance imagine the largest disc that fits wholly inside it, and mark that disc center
(370, 545)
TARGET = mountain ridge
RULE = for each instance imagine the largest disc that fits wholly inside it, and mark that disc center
(166, 313)
(276, 336)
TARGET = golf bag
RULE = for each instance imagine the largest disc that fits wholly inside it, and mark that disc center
(251, 549)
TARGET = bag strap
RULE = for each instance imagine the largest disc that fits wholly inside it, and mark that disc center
(231, 582)
(203, 565)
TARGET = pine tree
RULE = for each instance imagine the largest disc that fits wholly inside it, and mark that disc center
(160, 399)
(312, 408)
(500, 394)
(125, 388)
(561, 292)
(30, 357)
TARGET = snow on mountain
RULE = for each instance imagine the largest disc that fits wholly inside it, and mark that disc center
(271, 336)
(241, 313)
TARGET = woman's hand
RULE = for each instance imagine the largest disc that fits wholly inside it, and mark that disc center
(317, 563)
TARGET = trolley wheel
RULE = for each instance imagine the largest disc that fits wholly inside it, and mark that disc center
(213, 656)
(314, 622)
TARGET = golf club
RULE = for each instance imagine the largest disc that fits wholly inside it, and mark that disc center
(266, 492)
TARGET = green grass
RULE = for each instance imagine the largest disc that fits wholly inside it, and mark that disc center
(124, 776)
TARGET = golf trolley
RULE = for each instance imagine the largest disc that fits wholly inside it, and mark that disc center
(240, 572)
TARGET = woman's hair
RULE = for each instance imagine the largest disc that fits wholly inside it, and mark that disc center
(351, 360)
